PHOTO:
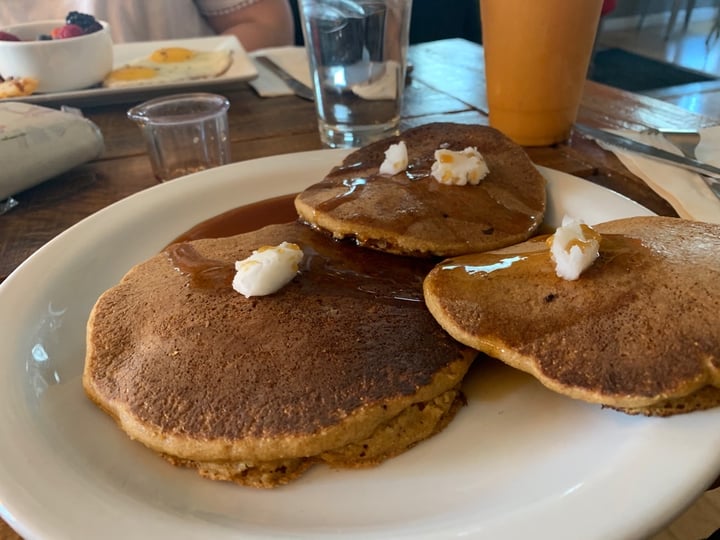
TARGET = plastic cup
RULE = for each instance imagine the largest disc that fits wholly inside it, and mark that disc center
(184, 133)
(536, 60)
(357, 50)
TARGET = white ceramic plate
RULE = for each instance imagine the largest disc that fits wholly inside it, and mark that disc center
(518, 462)
(241, 69)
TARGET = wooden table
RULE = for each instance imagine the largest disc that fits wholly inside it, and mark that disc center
(447, 84)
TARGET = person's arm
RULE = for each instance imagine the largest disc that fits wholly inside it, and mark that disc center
(264, 23)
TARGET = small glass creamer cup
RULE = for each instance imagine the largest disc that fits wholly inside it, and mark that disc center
(536, 61)
(184, 133)
(357, 50)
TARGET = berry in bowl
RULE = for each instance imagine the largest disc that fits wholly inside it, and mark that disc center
(60, 55)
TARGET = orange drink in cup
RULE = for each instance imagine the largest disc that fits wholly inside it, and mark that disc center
(537, 54)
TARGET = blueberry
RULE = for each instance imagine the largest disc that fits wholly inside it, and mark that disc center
(83, 20)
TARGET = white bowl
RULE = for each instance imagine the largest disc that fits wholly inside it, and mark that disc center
(60, 64)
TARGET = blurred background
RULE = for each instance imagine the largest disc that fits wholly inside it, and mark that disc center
(654, 47)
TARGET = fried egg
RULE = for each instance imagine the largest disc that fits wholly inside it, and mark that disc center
(169, 65)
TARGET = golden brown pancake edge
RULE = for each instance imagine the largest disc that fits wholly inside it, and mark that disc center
(637, 332)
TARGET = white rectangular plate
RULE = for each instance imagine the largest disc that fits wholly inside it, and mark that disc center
(241, 69)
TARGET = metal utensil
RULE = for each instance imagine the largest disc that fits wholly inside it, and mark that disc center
(709, 173)
(686, 141)
(298, 88)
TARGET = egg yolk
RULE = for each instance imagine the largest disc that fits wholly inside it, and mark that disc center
(132, 73)
(171, 54)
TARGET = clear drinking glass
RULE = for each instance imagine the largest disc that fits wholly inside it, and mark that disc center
(357, 51)
(184, 133)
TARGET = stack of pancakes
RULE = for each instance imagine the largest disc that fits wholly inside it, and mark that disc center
(344, 365)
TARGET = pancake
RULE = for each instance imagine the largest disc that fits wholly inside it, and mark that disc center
(411, 213)
(638, 331)
(343, 365)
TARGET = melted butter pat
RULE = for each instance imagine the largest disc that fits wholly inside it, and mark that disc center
(574, 248)
(267, 270)
(459, 168)
(396, 159)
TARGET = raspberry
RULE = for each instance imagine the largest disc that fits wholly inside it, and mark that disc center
(5, 36)
(67, 31)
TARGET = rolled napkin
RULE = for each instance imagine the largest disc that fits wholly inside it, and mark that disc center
(37, 143)
(291, 59)
(685, 190)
